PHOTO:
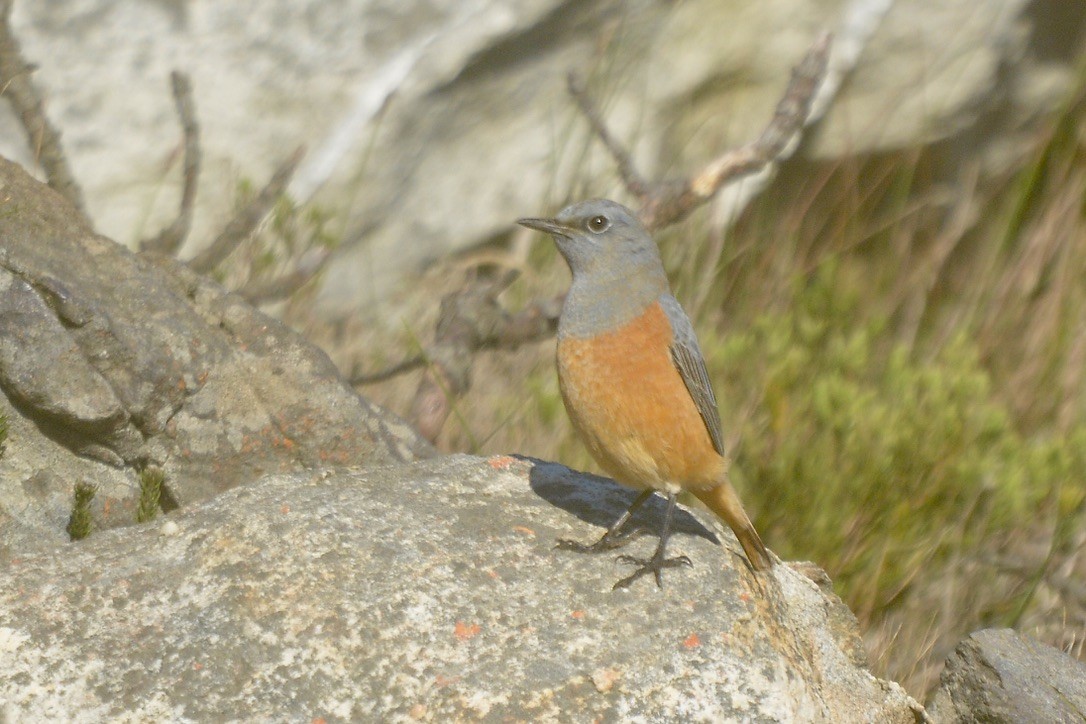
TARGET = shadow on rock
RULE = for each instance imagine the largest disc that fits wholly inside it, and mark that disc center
(600, 501)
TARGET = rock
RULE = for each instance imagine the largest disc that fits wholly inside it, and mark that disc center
(427, 591)
(441, 122)
(1001, 675)
(110, 361)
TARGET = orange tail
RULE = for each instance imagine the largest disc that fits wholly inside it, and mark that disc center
(724, 501)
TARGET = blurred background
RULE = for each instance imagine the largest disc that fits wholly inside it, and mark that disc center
(894, 316)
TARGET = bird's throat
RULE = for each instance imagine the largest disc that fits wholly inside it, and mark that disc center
(596, 304)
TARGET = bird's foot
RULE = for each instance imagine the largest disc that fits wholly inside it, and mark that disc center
(609, 542)
(653, 565)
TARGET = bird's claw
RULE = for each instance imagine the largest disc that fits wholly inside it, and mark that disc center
(654, 565)
(609, 542)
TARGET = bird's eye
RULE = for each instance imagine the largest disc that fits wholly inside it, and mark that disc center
(599, 224)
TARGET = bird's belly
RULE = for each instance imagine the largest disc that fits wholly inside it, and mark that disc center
(628, 402)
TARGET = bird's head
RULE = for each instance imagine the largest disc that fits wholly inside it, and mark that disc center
(601, 238)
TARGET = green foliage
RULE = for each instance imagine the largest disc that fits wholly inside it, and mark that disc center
(871, 462)
(151, 480)
(79, 523)
(3, 434)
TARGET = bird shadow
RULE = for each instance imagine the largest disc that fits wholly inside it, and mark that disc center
(600, 501)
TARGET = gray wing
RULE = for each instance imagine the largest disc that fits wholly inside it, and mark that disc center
(686, 354)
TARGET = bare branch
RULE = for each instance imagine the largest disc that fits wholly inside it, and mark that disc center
(635, 183)
(471, 319)
(246, 220)
(475, 326)
(667, 202)
(402, 367)
(44, 138)
(170, 239)
(671, 203)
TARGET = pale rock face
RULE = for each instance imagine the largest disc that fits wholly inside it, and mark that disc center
(425, 592)
(432, 125)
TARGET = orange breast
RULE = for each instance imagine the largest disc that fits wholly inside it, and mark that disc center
(628, 402)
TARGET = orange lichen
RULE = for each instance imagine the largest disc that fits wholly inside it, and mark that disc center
(466, 631)
(501, 462)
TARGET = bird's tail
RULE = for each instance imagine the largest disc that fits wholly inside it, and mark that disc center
(724, 501)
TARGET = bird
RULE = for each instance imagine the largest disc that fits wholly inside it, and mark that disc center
(634, 383)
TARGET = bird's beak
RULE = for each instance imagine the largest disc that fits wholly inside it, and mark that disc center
(547, 226)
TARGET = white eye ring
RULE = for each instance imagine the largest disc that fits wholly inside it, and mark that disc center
(598, 224)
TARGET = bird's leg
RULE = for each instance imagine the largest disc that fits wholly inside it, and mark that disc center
(615, 537)
(657, 562)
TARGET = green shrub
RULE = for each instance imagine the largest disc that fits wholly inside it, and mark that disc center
(872, 462)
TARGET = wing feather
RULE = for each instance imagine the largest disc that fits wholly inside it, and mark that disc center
(686, 354)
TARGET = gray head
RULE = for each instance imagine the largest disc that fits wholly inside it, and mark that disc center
(600, 238)
(616, 266)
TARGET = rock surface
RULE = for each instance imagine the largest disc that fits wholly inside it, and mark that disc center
(429, 592)
(1002, 676)
(110, 361)
(438, 123)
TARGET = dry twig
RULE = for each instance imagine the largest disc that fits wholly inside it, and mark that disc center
(471, 319)
(169, 240)
(401, 367)
(663, 203)
(245, 222)
(16, 86)
(537, 322)
(633, 180)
